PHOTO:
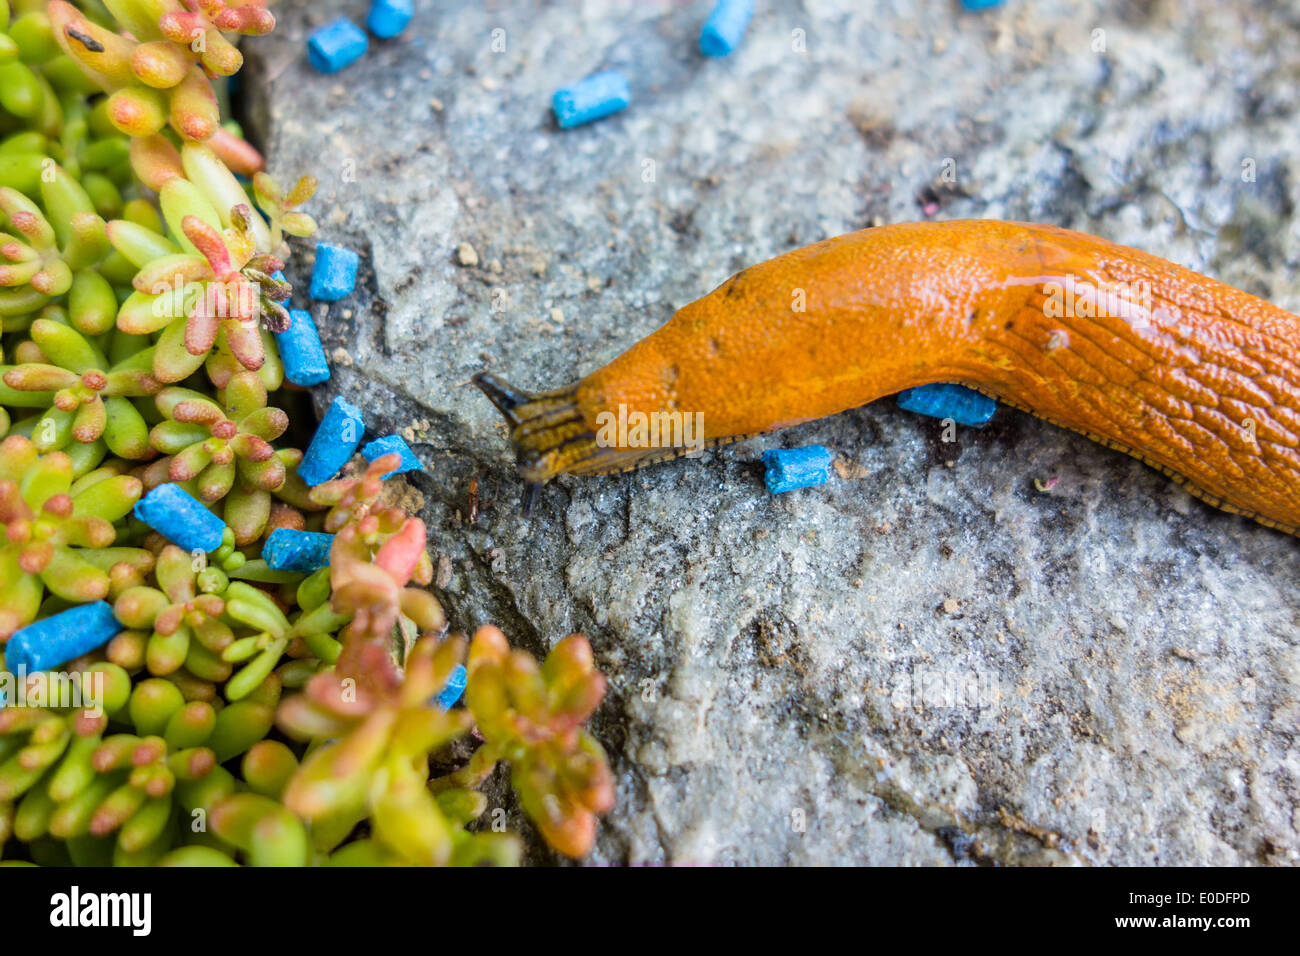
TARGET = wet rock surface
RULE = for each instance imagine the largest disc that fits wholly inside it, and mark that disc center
(928, 660)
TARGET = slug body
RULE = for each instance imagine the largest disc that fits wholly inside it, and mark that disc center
(1192, 376)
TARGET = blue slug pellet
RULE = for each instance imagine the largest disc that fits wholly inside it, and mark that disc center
(60, 638)
(335, 45)
(963, 405)
(335, 273)
(597, 96)
(981, 4)
(336, 438)
(786, 469)
(180, 518)
(447, 697)
(725, 27)
(392, 443)
(301, 351)
(388, 18)
(290, 550)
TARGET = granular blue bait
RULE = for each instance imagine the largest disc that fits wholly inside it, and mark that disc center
(335, 273)
(725, 27)
(180, 518)
(389, 444)
(336, 438)
(785, 469)
(388, 18)
(447, 697)
(62, 637)
(963, 405)
(289, 550)
(981, 4)
(597, 96)
(301, 351)
(337, 44)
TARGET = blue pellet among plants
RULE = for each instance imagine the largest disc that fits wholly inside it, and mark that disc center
(336, 439)
(287, 549)
(392, 444)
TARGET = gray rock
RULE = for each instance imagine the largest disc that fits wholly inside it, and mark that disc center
(927, 660)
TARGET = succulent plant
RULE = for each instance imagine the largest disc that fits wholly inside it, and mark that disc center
(125, 797)
(223, 449)
(378, 732)
(139, 294)
(183, 615)
(59, 531)
(88, 399)
(532, 717)
(281, 207)
(152, 80)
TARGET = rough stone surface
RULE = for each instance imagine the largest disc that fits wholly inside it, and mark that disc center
(927, 660)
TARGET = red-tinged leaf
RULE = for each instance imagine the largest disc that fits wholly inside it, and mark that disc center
(245, 342)
(400, 553)
(37, 377)
(210, 245)
(201, 329)
(238, 155)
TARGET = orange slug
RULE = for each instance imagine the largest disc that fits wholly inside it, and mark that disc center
(1189, 375)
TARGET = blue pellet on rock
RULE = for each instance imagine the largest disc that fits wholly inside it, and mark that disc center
(62, 637)
(180, 518)
(447, 697)
(981, 4)
(335, 45)
(963, 405)
(336, 438)
(335, 273)
(786, 469)
(301, 351)
(392, 443)
(388, 18)
(725, 27)
(289, 550)
(597, 96)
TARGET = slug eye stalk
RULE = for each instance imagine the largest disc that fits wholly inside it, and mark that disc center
(553, 435)
(546, 428)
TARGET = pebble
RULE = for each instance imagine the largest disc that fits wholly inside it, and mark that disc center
(466, 254)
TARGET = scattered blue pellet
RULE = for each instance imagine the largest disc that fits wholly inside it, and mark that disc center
(336, 438)
(388, 18)
(447, 697)
(392, 443)
(290, 550)
(60, 638)
(335, 273)
(598, 95)
(725, 27)
(785, 469)
(963, 405)
(301, 351)
(336, 45)
(180, 518)
(981, 4)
